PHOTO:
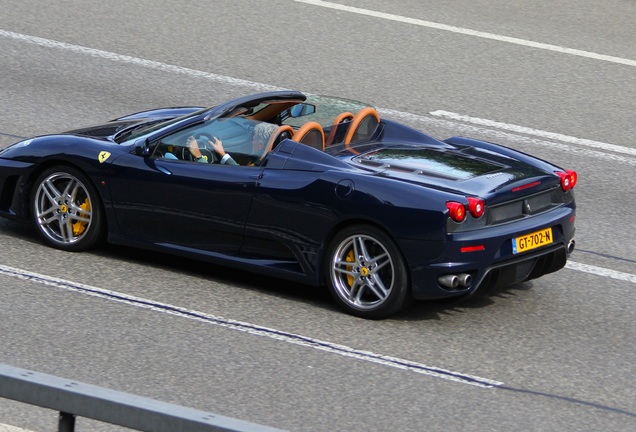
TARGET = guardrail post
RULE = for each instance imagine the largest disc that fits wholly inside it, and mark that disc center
(66, 422)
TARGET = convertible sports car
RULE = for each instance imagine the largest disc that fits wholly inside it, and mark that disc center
(332, 195)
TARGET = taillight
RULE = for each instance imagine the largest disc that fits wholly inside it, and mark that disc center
(568, 179)
(457, 211)
(476, 207)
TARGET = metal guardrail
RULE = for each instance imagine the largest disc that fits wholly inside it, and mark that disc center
(74, 399)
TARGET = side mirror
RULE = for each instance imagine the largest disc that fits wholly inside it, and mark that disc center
(142, 147)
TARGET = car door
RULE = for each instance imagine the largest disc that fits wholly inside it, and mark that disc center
(180, 204)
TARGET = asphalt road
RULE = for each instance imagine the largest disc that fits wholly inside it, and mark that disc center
(555, 80)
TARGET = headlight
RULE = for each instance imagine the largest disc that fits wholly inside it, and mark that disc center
(24, 143)
(19, 144)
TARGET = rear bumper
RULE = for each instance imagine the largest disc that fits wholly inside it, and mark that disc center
(522, 269)
(495, 266)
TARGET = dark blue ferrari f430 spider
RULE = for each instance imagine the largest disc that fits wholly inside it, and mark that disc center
(313, 189)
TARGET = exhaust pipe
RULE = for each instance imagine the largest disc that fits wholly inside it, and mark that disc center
(465, 280)
(571, 246)
(449, 281)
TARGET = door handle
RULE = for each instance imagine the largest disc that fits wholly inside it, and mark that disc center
(164, 170)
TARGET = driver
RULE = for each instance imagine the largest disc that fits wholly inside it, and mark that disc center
(260, 138)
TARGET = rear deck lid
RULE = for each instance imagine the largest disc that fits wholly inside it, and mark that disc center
(464, 170)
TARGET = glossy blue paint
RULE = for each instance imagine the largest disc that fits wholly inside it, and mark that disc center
(278, 217)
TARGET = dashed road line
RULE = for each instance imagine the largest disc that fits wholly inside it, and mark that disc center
(283, 336)
(440, 118)
(443, 116)
(253, 329)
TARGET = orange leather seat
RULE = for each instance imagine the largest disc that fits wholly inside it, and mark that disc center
(311, 134)
(362, 127)
(281, 133)
(341, 118)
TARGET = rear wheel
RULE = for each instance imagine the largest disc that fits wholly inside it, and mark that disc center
(366, 273)
(66, 209)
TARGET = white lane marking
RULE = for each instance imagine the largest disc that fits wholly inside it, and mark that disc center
(384, 111)
(503, 136)
(150, 64)
(530, 131)
(469, 32)
(601, 271)
(252, 329)
(427, 121)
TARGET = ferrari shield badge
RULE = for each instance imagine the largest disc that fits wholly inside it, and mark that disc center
(103, 156)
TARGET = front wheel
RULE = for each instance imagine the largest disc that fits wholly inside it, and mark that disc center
(366, 273)
(66, 209)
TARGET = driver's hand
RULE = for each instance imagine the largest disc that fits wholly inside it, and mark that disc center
(217, 146)
(193, 146)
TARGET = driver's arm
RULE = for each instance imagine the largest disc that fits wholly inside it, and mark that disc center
(217, 146)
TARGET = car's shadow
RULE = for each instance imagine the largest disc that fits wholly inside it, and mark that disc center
(270, 286)
(219, 273)
(436, 309)
(19, 230)
(297, 292)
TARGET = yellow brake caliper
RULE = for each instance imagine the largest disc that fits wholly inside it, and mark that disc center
(350, 258)
(80, 226)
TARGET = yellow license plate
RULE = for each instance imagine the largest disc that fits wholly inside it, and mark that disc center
(532, 241)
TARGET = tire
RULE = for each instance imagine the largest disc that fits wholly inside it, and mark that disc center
(66, 209)
(366, 273)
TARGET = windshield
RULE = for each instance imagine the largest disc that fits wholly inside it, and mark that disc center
(139, 131)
